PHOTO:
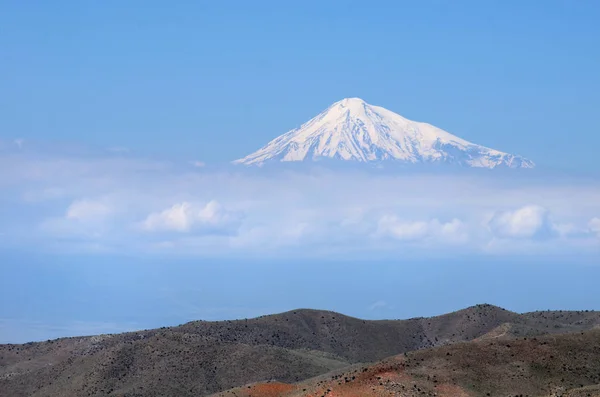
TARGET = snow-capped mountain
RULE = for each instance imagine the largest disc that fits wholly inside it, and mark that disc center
(353, 130)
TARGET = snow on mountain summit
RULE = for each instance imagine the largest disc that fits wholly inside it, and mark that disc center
(353, 130)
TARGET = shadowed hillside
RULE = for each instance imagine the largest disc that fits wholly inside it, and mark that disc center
(563, 365)
(200, 358)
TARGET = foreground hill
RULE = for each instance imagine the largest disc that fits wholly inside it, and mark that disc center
(562, 365)
(200, 358)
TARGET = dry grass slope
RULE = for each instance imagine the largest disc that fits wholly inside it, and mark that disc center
(565, 365)
(200, 358)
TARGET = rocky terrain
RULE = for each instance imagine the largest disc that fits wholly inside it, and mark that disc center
(562, 365)
(200, 358)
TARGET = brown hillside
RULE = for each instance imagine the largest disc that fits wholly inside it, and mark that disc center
(562, 365)
(200, 357)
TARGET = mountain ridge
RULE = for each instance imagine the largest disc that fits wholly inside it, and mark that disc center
(353, 130)
(203, 357)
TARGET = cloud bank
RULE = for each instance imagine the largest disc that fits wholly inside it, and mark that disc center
(116, 203)
(185, 217)
(530, 221)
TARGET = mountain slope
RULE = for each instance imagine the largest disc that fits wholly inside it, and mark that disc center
(199, 358)
(563, 365)
(353, 130)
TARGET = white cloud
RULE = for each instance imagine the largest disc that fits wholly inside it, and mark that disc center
(402, 230)
(84, 219)
(142, 206)
(198, 164)
(183, 217)
(213, 213)
(526, 222)
(594, 226)
(177, 218)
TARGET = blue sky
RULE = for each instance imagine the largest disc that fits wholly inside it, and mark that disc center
(106, 223)
(114, 294)
(216, 80)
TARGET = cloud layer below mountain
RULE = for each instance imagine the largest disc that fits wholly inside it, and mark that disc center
(116, 203)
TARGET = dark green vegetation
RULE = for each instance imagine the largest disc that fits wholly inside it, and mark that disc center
(200, 358)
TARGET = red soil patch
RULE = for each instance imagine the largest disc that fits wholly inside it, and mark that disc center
(271, 389)
(382, 380)
(373, 382)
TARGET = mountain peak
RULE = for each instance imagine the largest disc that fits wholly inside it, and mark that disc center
(351, 102)
(353, 130)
